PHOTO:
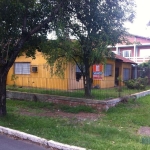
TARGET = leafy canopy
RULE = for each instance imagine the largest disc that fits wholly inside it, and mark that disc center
(95, 24)
(25, 19)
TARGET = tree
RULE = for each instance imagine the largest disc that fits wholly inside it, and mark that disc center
(95, 24)
(23, 25)
(144, 70)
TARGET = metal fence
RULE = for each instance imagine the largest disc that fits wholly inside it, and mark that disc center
(42, 82)
(57, 86)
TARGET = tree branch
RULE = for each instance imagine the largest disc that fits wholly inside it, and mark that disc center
(24, 30)
(46, 21)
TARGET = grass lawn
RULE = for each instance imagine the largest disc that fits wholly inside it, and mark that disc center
(114, 130)
(99, 94)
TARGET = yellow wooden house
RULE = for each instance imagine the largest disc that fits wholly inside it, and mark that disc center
(36, 73)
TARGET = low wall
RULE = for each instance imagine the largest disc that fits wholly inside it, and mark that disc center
(71, 101)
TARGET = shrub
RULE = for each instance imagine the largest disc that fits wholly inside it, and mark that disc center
(139, 83)
(14, 78)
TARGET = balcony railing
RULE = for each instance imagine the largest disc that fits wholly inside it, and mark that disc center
(139, 60)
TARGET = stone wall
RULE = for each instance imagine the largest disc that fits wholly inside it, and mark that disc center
(97, 104)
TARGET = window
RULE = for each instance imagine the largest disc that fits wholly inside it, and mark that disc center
(126, 53)
(77, 69)
(126, 74)
(22, 68)
(78, 73)
(108, 70)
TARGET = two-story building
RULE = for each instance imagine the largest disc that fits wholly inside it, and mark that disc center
(136, 49)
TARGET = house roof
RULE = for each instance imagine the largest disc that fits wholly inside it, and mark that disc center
(140, 36)
(119, 57)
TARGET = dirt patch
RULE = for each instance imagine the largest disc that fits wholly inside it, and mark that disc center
(60, 114)
(144, 131)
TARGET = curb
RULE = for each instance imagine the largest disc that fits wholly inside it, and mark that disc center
(38, 140)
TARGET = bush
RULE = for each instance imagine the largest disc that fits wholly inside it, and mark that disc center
(139, 83)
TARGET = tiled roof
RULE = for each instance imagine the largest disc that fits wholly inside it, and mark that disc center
(124, 59)
(140, 36)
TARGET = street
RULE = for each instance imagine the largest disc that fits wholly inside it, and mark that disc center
(8, 143)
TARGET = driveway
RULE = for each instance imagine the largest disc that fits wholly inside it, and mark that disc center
(8, 143)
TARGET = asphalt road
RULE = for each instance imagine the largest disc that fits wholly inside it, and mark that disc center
(8, 143)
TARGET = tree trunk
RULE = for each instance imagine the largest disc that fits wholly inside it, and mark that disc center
(86, 74)
(87, 86)
(87, 80)
(4, 68)
(3, 77)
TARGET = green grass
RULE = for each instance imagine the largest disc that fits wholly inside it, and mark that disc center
(76, 109)
(115, 129)
(100, 94)
(53, 107)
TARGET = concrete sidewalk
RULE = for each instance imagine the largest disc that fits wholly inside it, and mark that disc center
(38, 140)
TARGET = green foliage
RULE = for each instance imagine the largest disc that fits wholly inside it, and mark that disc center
(145, 64)
(24, 24)
(139, 83)
(95, 24)
(59, 52)
(14, 78)
(144, 69)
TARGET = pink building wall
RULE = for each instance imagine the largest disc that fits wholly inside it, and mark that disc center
(136, 44)
(142, 40)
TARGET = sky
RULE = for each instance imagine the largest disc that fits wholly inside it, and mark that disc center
(139, 26)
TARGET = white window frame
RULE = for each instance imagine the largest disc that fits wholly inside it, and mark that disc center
(126, 74)
(108, 70)
(22, 68)
(126, 53)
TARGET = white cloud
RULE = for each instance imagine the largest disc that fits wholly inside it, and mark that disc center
(139, 26)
